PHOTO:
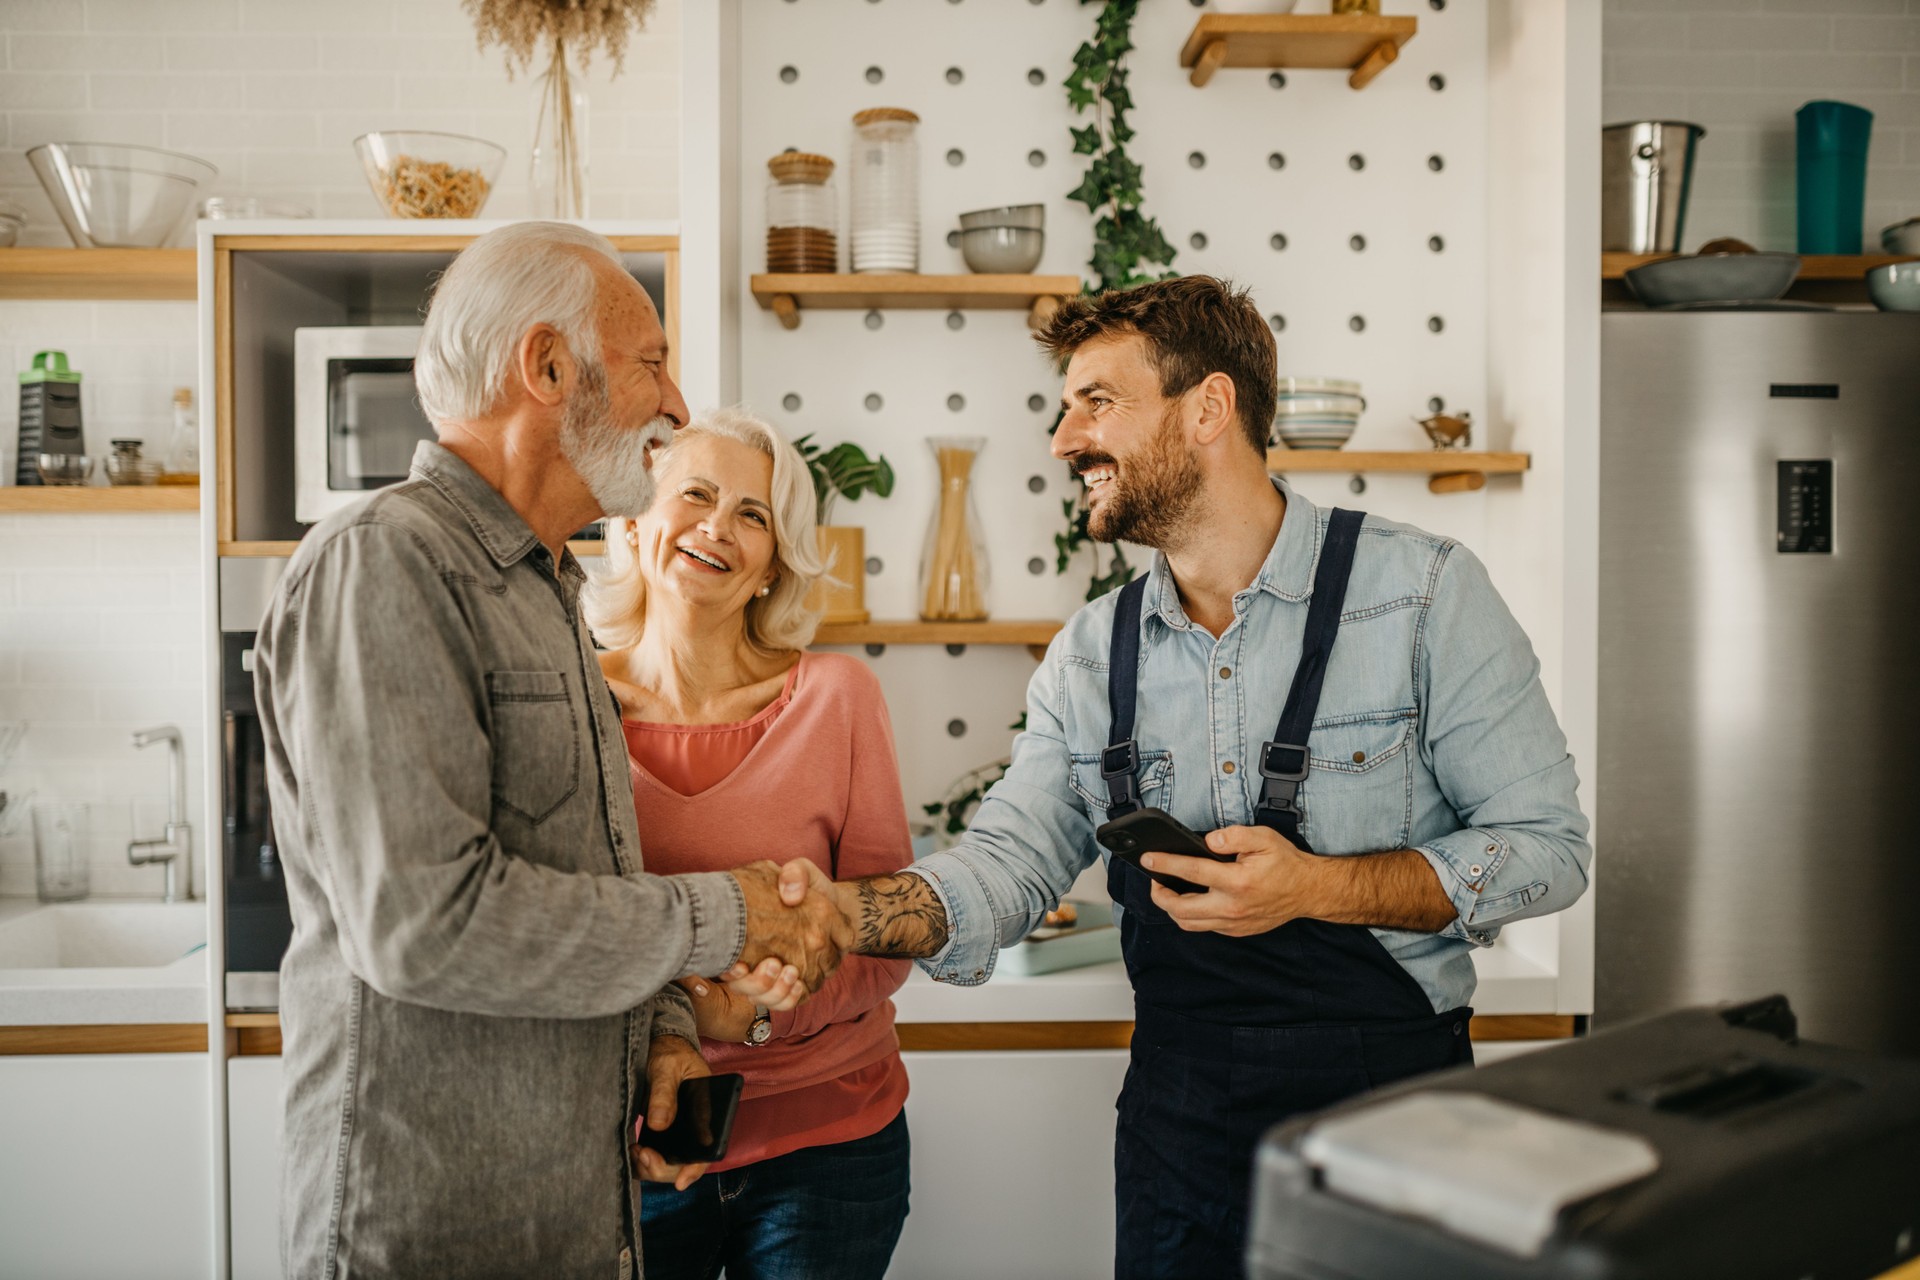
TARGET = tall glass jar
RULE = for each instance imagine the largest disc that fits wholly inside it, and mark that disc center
(803, 214)
(953, 566)
(885, 182)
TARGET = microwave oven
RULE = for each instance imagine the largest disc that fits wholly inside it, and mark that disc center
(356, 419)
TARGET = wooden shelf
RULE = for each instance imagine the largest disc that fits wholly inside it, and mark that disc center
(1813, 266)
(1035, 635)
(1361, 44)
(787, 295)
(1449, 471)
(138, 275)
(78, 499)
(284, 549)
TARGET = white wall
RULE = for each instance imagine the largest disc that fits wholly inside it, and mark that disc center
(98, 614)
(275, 91)
(1741, 68)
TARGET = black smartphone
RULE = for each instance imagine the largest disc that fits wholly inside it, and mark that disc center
(702, 1121)
(1156, 831)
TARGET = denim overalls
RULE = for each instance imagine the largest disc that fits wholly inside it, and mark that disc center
(1233, 1035)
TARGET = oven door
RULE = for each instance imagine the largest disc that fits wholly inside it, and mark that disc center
(356, 419)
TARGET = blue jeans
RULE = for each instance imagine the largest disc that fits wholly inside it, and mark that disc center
(819, 1213)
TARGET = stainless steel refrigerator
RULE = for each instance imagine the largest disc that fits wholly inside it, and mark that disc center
(1758, 820)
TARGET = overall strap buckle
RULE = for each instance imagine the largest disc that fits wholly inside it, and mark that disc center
(1119, 769)
(1283, 767)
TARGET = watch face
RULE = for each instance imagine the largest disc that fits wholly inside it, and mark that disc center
(761, 1031)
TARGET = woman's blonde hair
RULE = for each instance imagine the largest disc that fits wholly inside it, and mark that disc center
(615, 599)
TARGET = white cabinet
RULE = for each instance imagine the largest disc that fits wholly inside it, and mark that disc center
(1012, 1164)
(256, 1093)
(104, 1166)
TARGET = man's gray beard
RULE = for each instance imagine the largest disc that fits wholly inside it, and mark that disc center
(610, 458)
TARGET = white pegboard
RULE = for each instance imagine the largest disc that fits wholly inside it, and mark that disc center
(999, 121)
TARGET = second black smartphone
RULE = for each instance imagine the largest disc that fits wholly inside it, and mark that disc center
(702, 1121)
(1153, 830)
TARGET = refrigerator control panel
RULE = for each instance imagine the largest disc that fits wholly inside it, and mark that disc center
(1806, 507)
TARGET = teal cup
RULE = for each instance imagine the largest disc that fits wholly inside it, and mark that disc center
(1830, 175)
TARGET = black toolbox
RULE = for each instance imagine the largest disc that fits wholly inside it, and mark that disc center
(1775, 1158)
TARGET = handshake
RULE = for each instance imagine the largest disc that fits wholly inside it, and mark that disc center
(798, 928)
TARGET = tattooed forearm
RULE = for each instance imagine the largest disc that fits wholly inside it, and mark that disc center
(897, 917)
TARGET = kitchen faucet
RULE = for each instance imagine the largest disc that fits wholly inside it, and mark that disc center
(176, 850)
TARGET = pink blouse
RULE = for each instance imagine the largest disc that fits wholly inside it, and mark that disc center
(814, 775)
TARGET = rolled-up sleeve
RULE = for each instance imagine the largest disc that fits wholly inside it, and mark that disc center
(369, 671)
(1500, 759)
(1027, 843)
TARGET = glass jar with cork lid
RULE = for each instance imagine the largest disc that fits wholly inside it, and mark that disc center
(885, 219)
(803, 215)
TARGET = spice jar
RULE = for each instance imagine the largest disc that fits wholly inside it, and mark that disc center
(803, 214)
(126, 466)
(953, 567)
(885, 221)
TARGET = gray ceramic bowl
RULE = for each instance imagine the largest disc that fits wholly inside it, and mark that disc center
(1895, 287)
(1002, 250)
(1714, 277)
(1902, 237)
(1011, 215)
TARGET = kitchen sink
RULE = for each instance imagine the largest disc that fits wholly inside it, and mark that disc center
(102, 935)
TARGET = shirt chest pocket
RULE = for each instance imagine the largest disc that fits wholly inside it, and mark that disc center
(536, 742)
(1358, 797)
(1156, 782)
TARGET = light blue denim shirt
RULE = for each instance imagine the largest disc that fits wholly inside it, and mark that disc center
(1433, 733)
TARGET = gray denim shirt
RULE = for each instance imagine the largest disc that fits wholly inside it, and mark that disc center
(1433, 733)
(478, 962)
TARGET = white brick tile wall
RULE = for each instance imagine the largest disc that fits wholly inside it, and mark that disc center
(1741, 68)
(274, 92)
(100, 615)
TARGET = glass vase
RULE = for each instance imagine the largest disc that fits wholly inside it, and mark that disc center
(557, 169)
(953, 566)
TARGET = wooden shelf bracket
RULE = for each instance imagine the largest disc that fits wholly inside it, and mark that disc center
(1379, 60)
(786, 310)
(1212, 56)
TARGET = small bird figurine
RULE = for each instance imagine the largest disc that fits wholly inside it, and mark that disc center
(1448, 431)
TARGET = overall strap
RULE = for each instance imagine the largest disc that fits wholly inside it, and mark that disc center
(1283, 761)
(1120, 762)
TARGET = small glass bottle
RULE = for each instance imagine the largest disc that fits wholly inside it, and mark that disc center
(803, 215)
(181, 463)
(126, 466)
(953, 566)
(60, 850)
(885, 222)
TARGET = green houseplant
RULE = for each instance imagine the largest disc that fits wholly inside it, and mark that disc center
(844, 471)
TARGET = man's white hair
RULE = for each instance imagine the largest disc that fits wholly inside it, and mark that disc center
(499, 287)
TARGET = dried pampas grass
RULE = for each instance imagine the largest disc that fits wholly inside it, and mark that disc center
(523, 27)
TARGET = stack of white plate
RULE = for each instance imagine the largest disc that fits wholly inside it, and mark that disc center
(1317, 413)
(888, 246)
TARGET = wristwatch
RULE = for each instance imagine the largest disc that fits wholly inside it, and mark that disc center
(761, 1030)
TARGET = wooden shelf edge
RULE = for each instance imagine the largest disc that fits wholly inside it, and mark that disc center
(1409, 461)
(98, 499)
(129, 275)
(1028, 633)
(148, 1037)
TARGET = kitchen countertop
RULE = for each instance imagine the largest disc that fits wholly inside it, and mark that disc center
(1510, 983)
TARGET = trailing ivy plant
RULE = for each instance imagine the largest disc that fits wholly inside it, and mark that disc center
(1128, 246)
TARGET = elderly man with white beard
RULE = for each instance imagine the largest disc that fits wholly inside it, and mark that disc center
(478, 1005)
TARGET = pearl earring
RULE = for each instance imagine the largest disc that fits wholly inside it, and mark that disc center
(763, 592)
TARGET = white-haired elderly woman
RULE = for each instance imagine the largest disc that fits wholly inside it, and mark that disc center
(743, 746)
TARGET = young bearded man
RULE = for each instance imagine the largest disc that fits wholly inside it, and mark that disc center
(1416, 795)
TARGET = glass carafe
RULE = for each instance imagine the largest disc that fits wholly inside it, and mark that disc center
(953, 567)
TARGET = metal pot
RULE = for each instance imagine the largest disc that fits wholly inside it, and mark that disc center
(1646, 175)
